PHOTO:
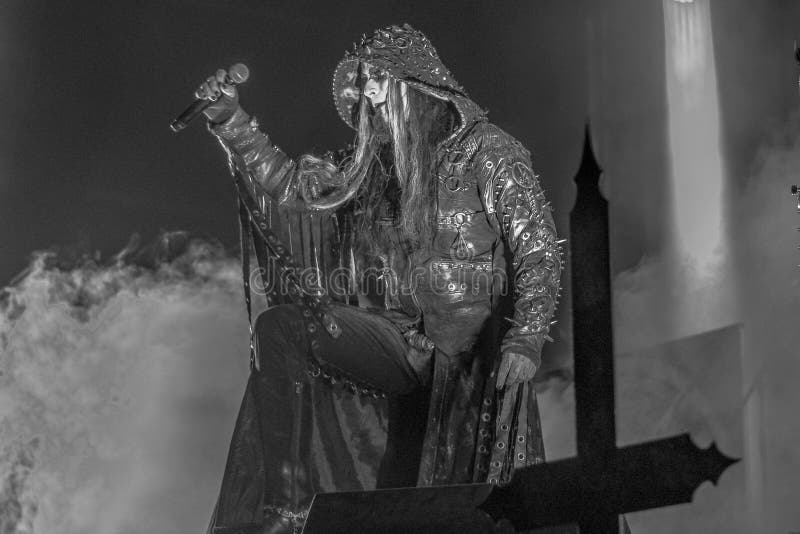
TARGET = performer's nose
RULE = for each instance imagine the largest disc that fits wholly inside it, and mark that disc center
(371, 89)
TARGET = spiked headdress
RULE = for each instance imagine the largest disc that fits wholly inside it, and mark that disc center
(404, 54)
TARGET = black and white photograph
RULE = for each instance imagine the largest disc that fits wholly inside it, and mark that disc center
(469, 267)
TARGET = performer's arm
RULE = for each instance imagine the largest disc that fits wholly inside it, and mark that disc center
(515, 201)
(273, 172)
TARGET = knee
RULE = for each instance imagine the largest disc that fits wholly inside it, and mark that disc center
(278, 326)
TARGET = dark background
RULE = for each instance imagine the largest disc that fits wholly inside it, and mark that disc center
(90, 87)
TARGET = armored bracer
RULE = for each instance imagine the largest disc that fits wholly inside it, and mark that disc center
(515, 203)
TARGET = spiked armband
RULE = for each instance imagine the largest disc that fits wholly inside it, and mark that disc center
(513, 197)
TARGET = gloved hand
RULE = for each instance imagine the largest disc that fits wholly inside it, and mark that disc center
(514, 369)
(224, 94)
(420, 354)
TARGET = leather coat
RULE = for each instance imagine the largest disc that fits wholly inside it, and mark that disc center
(487, 284)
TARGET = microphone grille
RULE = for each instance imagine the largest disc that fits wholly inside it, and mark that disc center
(238, 73)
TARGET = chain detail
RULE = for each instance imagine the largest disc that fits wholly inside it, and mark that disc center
(296, 519)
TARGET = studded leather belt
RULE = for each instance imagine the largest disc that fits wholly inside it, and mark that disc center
(446, 266)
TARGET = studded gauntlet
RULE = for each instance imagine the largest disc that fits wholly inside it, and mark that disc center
(514, 199)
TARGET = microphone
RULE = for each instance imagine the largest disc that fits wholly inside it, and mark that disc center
(236, 74)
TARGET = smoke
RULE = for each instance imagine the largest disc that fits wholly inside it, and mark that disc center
(655, 303)
(755, 284)
(767, 263)
(119, 386)
(668, 297)
(18, 507)
(119, 382)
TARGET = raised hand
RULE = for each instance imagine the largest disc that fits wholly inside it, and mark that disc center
(222, 93)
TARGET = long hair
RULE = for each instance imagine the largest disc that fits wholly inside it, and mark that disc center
(399, 159)
(392, 166)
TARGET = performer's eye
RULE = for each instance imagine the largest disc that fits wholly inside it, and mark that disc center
(377, 75)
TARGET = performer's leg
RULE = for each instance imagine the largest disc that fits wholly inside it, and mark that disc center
(270, 450)
(370, 350)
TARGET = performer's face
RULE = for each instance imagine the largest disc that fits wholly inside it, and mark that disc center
(375, 86)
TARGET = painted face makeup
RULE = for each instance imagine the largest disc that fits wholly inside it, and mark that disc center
(375, 83)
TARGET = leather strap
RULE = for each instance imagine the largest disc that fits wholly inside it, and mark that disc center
(244, 241)
(314, 302)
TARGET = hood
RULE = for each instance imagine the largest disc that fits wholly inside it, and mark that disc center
(406, 55)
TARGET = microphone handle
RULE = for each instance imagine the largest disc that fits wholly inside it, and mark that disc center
(189, 114)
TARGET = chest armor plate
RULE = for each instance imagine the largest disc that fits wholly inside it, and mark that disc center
(463, 232)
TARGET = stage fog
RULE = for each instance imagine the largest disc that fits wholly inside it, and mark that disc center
(123, 362)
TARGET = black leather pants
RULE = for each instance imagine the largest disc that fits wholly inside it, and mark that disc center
(297, 434)
(371, 349)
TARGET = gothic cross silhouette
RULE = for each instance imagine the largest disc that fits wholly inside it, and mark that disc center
(591, 489)
(602, 482)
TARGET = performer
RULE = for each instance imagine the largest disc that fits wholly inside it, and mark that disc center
(446, 205)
